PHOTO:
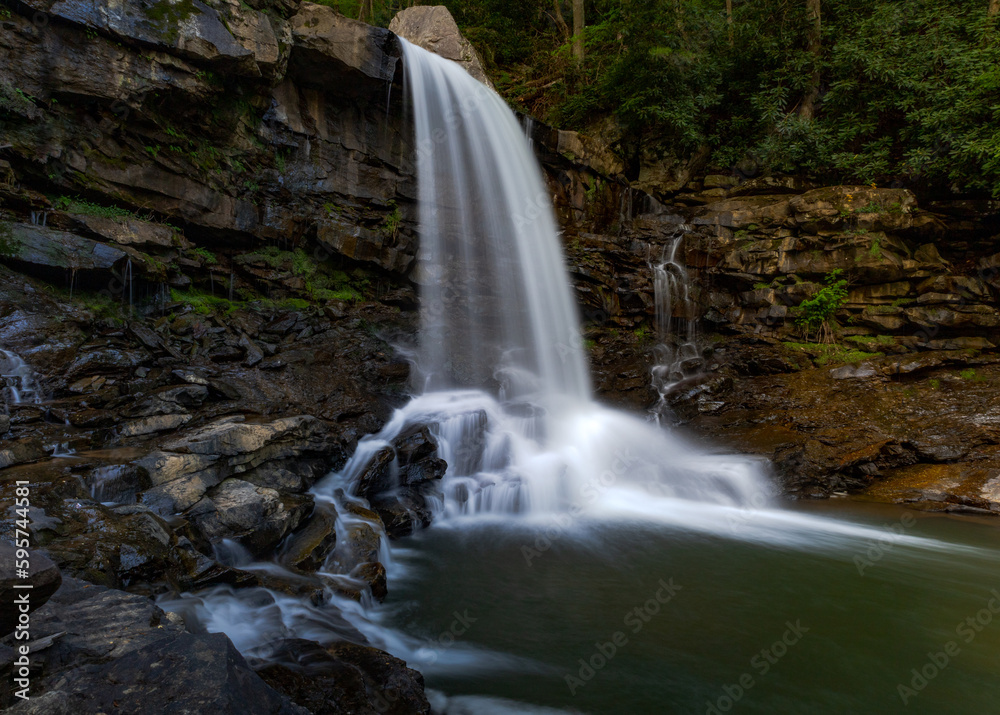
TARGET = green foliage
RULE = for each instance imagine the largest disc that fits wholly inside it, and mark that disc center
(14, 100)
(816, 312)
(971, 375)
(204, 254)
(644, 333)
(76, 205)
(322, 283)
(205, 303)
(908, 89)
(390, 226)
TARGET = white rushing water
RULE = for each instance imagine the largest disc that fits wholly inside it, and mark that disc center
(17, 380)
(499, 317)
(678, 354)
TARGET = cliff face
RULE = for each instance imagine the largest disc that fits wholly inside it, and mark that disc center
(273, 125)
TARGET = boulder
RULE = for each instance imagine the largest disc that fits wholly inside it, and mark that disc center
(49, 248)
(346, 678)
(41, 574)
(21, 451)
(338, 54)
(308, 547)
(256, 517)
(434, 29)
(128, 231)
(117, 652)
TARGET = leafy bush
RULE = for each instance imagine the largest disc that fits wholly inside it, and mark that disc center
(815, 314)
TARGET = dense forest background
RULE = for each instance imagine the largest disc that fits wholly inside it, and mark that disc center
(900, 92)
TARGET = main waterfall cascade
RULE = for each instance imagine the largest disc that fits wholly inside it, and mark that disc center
(504, 390)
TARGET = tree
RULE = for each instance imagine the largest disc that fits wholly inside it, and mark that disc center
(994, 8)
(814, 45)
(729, 19)
(578, 25)
(560, 21)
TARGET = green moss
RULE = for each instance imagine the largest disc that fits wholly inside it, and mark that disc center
(831, 354)
(205, 303)
(972, 375)
(76, 205)
(204, 254)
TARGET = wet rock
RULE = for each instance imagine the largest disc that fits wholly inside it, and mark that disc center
(256, 517)
(402, 514)
(380, 474)
(118, 652)
(360, 545)
(21, 451)
(125, 546)
(42, 575)
(308, 548)
(434, 29)
(853, 372)
(373, 573)
(346, 678)
(151, 425)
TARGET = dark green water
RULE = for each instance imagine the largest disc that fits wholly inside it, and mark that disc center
(752, 628)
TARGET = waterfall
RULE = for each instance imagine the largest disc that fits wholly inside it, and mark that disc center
(678, 355)
(497, 308)
(17, 380)
(505, 384)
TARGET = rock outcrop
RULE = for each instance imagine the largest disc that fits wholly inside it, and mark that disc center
(433, 28)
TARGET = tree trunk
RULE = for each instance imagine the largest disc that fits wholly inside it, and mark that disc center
(994, 8)
(365, 10)
(561, 21)
(578, 25)
(729, 19)
(814, 44)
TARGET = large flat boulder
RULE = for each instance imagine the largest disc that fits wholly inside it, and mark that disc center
(433, 28)
(339, 54)
(49, 248)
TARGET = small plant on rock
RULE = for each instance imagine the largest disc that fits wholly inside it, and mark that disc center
(815, 314)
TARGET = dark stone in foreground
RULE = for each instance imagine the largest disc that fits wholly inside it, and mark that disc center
(43, 576)
(346, 678)
(120, 653)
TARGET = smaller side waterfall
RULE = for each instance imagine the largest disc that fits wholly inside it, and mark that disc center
(17, 380)
(678, 355)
